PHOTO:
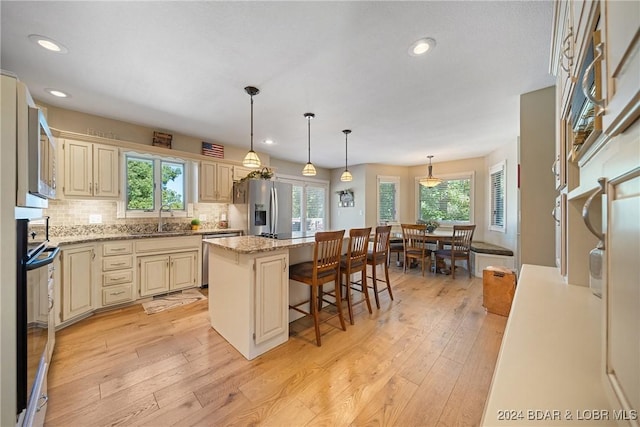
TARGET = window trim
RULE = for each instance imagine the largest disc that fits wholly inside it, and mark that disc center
(471, 175)
(500, 167)
(189, 175)
(388, 179)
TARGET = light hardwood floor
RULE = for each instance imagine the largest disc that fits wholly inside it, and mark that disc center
(425, 359)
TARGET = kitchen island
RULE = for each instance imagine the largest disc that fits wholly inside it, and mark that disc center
(249, 289)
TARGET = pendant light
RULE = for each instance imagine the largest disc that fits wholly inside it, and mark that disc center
(346, 175)
(251, 160)
(309, 169)
(430, 181)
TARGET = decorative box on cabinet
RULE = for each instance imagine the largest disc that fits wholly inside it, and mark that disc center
(117, 272)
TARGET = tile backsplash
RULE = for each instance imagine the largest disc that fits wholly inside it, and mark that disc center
(78, 217)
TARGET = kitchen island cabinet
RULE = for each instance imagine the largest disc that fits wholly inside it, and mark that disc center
(250, 291)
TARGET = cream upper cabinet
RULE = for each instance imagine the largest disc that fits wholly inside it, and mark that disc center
(77, 280)
(216, 182)
(240, 172)
(90, 170)
(622, 64)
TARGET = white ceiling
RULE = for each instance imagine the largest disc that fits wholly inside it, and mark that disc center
(182, 66)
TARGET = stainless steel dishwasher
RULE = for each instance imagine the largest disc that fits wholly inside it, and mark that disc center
(205, 253)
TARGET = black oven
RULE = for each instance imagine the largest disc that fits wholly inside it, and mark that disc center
(34, 301)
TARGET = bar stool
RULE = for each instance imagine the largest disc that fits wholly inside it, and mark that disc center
(356, 261)
(377, 256)
(324, 268)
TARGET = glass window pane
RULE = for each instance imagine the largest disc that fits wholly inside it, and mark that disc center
(296, 218)
(315, 197)
(173, 185)
(448, 201)
(387, 196)
(139, 184)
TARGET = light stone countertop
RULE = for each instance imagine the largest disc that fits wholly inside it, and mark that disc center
(93, 238)
(257, 244)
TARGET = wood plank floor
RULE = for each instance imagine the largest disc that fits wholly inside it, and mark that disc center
(424, 359)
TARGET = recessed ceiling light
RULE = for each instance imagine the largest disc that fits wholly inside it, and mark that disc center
(57, 93)
(422, 46)
(48, 43)
(268, 141)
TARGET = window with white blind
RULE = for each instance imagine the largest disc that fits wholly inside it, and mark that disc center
(309, 203)
(388, 199)
(498, 197)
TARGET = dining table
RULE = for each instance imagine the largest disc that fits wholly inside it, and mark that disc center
(438, 237)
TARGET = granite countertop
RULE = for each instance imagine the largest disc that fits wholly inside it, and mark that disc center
(102, 237)
(257, 244)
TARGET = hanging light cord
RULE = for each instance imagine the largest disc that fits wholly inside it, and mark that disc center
(251, 122)
(309, 137)
(345, 150)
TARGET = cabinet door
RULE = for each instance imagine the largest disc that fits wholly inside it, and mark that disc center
(224, 181)
(77, 281)
(207, 183)
(272, 297)
(622, 293)
(240, 172)
(184, 270)
(153, 274)
(105, 171)
(78, 168)
(622, 45)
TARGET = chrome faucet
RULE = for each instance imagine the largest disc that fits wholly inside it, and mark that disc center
(160, 216)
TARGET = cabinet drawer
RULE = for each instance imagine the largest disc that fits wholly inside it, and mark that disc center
(117, 263)
(168, 244)
(117, 294)
(117, 277)
(117, 248)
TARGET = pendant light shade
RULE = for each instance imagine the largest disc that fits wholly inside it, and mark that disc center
(430, 181)
(251, 160)
(346, 175)
(309, 169)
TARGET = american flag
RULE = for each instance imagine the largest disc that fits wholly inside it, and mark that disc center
(213, 150)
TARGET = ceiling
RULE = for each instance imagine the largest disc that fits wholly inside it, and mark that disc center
(182, 66)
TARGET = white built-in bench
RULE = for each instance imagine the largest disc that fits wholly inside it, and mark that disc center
(485, 254)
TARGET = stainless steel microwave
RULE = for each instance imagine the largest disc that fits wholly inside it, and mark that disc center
(36, 164)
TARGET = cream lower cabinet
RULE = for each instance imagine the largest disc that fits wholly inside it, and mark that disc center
(164, 273)
(168, 264)
(272, 289)
(77, 281)
(117, 273)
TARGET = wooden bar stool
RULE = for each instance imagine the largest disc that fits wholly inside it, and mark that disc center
(356, 261)
(324, 268)
(379, 255)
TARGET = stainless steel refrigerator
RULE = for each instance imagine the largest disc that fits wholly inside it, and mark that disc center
(262, 208)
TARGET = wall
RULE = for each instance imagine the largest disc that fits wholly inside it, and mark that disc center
(349, 217)
(537, 183)
(509, 154)
(82, 123)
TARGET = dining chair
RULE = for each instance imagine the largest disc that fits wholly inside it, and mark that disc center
(324, 268)
(353, 262)
(460, 247)
(415, 245)
(379, 255)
